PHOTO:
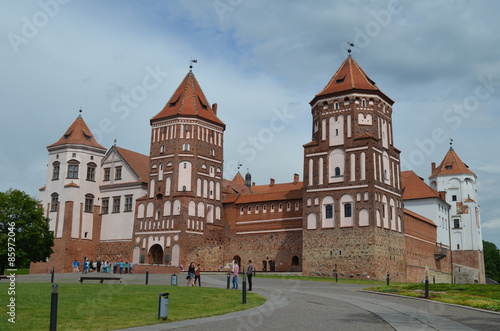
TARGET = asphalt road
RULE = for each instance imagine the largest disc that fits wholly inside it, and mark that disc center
(306, 305)
(301, 305)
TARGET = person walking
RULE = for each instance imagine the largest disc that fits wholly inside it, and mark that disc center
(191, 272)
(236, 271)
(76, 266)
(250, 274)
(197, 275)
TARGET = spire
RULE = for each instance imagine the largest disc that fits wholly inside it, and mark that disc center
(188, 100)
(248, 179)
(78, 134)
(451, 165)
(350, 78)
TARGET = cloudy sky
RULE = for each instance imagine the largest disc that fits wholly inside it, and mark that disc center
(262, 62)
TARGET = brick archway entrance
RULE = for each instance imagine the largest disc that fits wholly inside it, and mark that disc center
(155, 255)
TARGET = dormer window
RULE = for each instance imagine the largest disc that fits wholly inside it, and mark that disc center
(341, 80)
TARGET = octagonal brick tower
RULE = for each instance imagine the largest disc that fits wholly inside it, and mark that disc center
(181, 217)
(353, 216)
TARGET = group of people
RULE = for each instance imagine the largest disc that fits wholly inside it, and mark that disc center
(103, 266)
(194, 275)
(249, 273)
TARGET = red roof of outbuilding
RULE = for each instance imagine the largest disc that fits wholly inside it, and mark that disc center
(188, 100)
(414, 187)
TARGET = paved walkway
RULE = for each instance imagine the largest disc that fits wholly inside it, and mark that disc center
(302, 305)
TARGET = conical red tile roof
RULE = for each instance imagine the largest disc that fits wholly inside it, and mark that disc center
(350, 77)
(451, 165)
(79, 134)
(189, 100)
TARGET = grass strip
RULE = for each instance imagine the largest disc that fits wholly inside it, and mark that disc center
(482, 296)
(110, 307)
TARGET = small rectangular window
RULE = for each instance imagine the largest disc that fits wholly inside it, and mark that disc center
(118, 173)
(453, 198)
(128, 203)
(105, 206)
(107, 174)
(116, 204)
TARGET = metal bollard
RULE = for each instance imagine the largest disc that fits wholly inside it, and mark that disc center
(52, 276)
(426, 287)
(244, 290)
(173, 280)
(163, 306)
(388, 279)
(53, 308)
(147, 276)
(228, 280)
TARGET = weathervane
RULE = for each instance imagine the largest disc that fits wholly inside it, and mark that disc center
(349, 48)
(192, 61)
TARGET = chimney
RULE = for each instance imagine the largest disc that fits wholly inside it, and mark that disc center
(433, 167)
(295, 179)
(214, 108)
(272, 182)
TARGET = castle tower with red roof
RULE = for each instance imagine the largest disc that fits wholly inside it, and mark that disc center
(353, 216)
(455, 178)
(183, 207)
(71, 193)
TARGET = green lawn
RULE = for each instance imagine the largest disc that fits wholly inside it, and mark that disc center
(107, 307)
(474, 295)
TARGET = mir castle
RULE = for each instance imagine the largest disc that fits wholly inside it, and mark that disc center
(354, 213)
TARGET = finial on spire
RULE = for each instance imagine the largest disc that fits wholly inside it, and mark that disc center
(349, 48)
(451, 144)
(115, 142)
(192, 61)
(80, 111)
(239, 165)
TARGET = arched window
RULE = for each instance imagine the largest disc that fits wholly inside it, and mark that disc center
(185, 147)
(73, 169)
(89, 203)
(54, 202)
(337, 172)
(55, 170)
(295, 260)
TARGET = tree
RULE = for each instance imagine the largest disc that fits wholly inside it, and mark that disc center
(24, 231)
(491, 260)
